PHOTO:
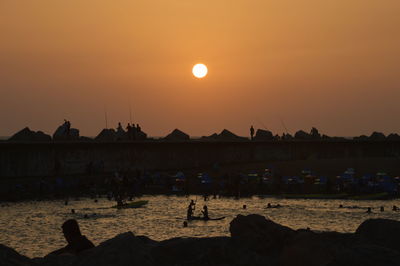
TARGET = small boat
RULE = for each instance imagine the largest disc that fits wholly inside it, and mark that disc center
(132, 205)
(198, 218)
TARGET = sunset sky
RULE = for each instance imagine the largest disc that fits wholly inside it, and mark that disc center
(332, 64)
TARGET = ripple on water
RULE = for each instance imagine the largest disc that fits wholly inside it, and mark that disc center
(34, 228)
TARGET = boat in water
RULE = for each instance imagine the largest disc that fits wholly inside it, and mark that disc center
(132, 205)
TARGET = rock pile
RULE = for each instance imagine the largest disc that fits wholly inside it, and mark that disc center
(177, 135)
(225, 135)
(255, 240)
(28, 135)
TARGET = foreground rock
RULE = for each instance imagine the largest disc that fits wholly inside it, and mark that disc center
(255, 240)
(9, 257)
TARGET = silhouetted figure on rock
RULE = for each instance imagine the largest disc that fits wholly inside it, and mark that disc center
(76, 241)
(252, 132)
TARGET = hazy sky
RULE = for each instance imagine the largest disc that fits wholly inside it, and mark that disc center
(332, 64)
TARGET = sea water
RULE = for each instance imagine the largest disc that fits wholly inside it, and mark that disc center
(33, 228)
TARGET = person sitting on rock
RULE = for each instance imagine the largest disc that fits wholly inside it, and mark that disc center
(395, 208)
(369, 210)
(76, 241)
(205, 212)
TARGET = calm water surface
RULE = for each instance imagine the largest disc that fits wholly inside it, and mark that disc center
(33, 228)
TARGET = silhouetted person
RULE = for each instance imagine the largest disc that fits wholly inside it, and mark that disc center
(252, 132)
(73, 211)
(138, 128)
(193, 204)
(369, 210)
(185, 224)
(269, 205)
(190, 211)
(205, 212)
(129, 131)
(395, 208)
(244, 206)
(76, 241)
(67, 126)
(340, 206)
(382, 209)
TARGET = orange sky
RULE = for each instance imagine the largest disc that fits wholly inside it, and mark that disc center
(330, 64)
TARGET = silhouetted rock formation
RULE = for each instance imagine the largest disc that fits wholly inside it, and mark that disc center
(287, 136)
(141, 135)
(362, 137)
(28, 135)
(226, 135)
(177, 135)
(262, 134)
(381, 232)
(213, 137)
(259, 234)
(315, 133)
(65, 132)
(377, 136)
(393, 136)
(9, 257)
(107, 134)
(254, 240)
(302, 135)
(121, 134)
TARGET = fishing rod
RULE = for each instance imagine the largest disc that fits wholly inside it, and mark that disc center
(283, 125)
(105, 116)
(130, 113)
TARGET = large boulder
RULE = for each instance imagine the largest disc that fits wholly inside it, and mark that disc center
(122, 250)
(361, 137)
(121, 134)
(262, 134)
(177, 135)
(141, 135)
(211, 137)
(260, 234)
(65, 132)
(314, 133)
(377, 136)
(381, 232)
(9, 257)
(302, 135)
(107, 134)
(226, 135)
(393, 136)
(28, 135)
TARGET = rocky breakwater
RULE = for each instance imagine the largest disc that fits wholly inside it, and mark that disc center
(254, 240)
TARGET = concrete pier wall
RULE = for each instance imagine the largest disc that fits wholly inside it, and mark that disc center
(77, 158)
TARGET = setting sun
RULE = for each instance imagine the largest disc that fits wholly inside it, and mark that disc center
(199, 71)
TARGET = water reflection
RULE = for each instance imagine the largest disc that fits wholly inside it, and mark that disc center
(33, 228)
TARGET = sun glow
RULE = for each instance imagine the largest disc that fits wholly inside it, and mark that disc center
(199, 71)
